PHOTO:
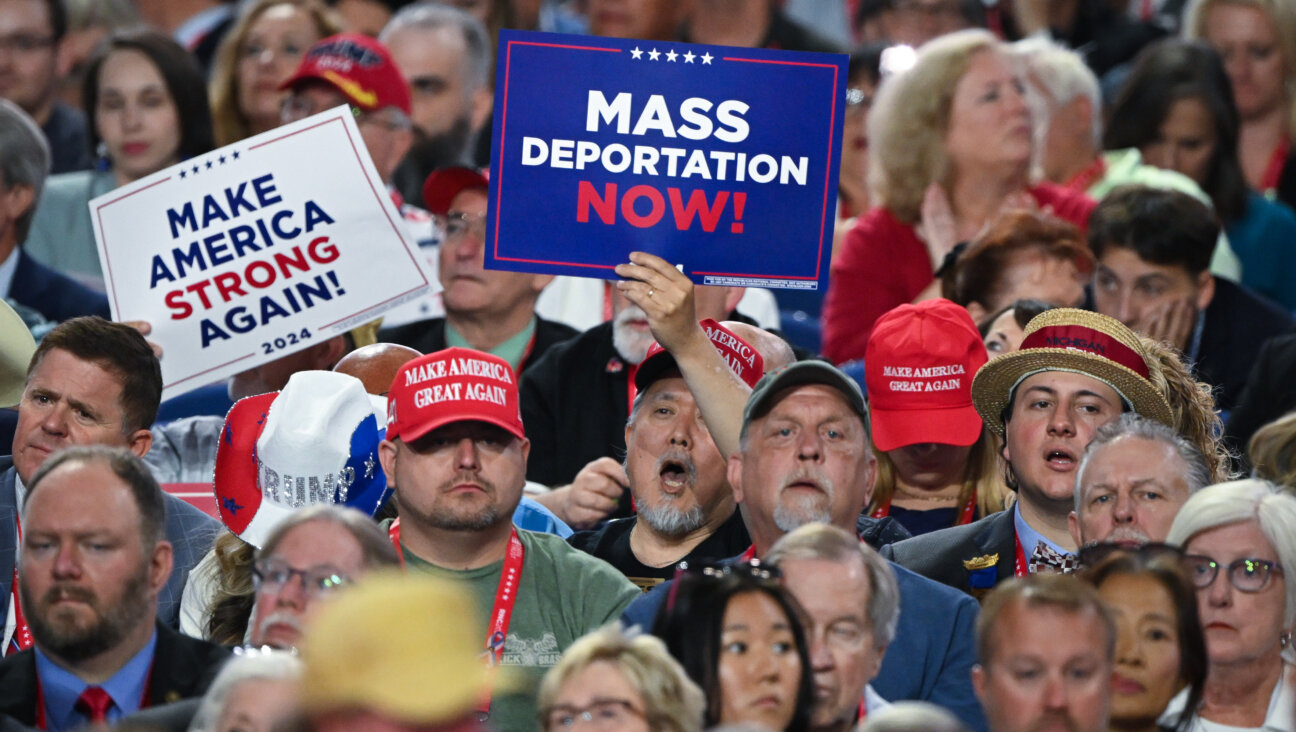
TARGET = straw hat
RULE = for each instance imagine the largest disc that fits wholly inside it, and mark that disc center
(1079, 341)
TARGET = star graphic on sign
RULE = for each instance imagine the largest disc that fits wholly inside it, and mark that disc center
(231, 505)
(369, 466)
(653, 54)
(195, 170)
(235, 153)
(671, 56)
(209, 164)
(182, 173)
(222, 160)
(706, 58)
(635, 53)
(688, 57)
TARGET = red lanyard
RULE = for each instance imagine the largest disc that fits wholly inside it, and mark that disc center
(965, 516)
(22, 637)
(1273, 171)
(505, 597)
(1081, 181)
(1021, 570)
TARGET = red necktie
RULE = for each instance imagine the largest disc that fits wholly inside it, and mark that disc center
(94, 703)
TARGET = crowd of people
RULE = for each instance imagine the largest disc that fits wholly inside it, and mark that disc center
(1032, 466)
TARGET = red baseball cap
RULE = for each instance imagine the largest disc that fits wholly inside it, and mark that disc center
(358, 66)
(739, 354)
(443, 184)
(918, 367)
(453, 385)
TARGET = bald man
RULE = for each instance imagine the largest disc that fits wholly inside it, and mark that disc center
(376, 365)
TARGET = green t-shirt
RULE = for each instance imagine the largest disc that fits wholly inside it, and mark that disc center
(563, 594)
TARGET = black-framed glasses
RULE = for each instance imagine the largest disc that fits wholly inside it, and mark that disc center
(1247, 574)
(273, 575)
(602, 713)
(1091, 555)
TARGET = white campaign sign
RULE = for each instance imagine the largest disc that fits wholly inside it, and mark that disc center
(256, 250)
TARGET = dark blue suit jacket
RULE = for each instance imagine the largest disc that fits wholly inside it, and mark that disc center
(53, 294)
(190, 531)
(931, 657)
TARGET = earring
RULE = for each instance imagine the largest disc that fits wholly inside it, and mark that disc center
(1284, 640)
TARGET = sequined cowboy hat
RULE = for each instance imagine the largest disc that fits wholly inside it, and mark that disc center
(1078, 341)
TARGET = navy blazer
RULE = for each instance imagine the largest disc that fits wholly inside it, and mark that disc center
(183, 668)
(52, 293)
(930, 659)
(190, 531)
(943, 555)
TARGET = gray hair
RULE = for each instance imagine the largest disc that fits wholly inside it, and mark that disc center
(24, 158)
(1238, 501)
(1064, 74)
(833, 544)
(254, 665)
(1196, 473)
(430, 15)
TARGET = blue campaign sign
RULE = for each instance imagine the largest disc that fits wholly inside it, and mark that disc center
(723, 160)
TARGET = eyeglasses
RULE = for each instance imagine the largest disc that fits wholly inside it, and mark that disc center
(458, 225)
(1247, 575)
(1093, 554)
(272, 575)
(601, 714)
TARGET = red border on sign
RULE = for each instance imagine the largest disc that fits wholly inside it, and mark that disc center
(337, 119)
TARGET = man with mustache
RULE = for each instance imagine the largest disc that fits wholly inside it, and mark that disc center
(94, 559)
(307, 558)
(1132, 481)
(799, 454)
(455, 455)
(1075, 372)
(685, 509)
(575, 402)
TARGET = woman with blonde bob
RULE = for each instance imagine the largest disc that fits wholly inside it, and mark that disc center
(1239, 542)
(952, 146)
(623, 681)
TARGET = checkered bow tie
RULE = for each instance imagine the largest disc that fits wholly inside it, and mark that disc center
(1047, 559)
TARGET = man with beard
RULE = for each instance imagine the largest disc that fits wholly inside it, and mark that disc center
(1075, 372)
(575, 402)
(455, 455)
(685, 509)
(1132, 481)
(93, 562)
(799, 454)
(445, 55)
(328, 547)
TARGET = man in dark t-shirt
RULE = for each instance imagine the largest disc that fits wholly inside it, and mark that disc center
(686, 509)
